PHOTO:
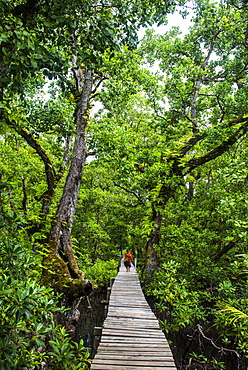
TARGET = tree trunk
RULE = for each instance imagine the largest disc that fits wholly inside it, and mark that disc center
(166, 193)
(60, 265)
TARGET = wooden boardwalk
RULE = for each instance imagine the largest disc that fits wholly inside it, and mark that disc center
(131, 338)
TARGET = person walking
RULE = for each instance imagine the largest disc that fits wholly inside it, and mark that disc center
(128, 260)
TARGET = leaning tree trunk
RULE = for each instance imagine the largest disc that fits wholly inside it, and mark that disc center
(166, 193)
(60, 266)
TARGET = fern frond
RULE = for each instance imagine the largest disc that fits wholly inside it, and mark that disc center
(233, 313)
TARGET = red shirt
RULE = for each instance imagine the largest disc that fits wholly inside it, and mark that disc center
(128, 257)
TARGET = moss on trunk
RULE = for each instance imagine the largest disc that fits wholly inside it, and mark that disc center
(57, 275)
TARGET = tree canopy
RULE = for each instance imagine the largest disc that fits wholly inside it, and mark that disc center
(159, 169)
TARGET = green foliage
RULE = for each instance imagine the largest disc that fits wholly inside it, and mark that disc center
(53, 116)
(29, 43)
(65, 354)
(28, 334)
(23, 170)
(108, 218)
(100, 272)
(151, 130)
(173, 295)
(163, 161)
(233, 323)
(203, 361)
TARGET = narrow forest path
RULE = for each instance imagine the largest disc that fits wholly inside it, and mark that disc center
(131, 337)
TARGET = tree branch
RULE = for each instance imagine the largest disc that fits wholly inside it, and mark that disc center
(198, 85)
(221, 349)
(224, 250)
(24, 199)
(49, 170)
(219, 150)
(98, 84)
(130, 192)
(191, 142)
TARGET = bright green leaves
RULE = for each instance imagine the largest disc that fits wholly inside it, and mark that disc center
(28, 334)
(175, 296)
(105, 217)
(54, 116)
(100, 272)
(18, 49)
(232, 318)
(66, 354)
(21, 165)
(41, 36)
(205, 57)
(148, 131)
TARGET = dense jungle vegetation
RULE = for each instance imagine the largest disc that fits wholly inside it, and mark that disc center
(109, 143)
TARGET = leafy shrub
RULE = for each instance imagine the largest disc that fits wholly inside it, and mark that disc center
(176, 298)
(233, 324)
(28, 333)
(101, 272)
(65, 354)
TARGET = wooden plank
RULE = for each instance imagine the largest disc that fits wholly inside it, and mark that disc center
(129, 358)
(132, 337)
(126, 305)
(134, 341)
(137, 345)
(155, 352)
(144, 319)
(135, 362)
(127, 367)
(110, 326)
(128, 320)
(130, 315)
(118, 308)
(130, 325)
(132, 333)
(138, 320)
(131, 319)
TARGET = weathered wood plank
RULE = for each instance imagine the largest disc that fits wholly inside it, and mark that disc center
(124, 308)
(132, 340)
(136, 333)
(130, 315)
(131, 319)
(117, 351)
(131, 367)
(125, 305)
(131, 324)
(128, 326)
(137, 344)
(130, 358)
(134, 362)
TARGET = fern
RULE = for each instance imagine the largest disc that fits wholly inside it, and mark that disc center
(233, 313)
